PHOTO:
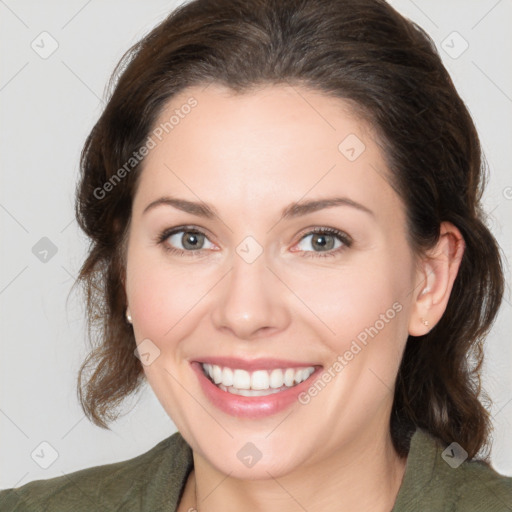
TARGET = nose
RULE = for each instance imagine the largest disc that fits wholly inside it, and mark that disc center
(251, 301)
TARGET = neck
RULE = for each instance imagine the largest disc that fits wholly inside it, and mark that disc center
(365, 476)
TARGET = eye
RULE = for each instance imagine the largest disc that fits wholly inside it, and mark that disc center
(190, 241)
(324, 240)
(184, 241)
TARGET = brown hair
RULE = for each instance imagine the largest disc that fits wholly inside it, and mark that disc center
(362, 51)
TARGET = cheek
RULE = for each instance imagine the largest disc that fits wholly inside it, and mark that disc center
(361, 312)
(349, 298)
(157, 299)
(163, 297)
(161, 304)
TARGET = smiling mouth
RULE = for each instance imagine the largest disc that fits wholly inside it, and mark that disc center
(256, 383)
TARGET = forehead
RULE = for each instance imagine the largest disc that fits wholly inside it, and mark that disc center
(275, 142)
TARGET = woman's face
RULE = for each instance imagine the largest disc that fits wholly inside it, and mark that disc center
(253, 288)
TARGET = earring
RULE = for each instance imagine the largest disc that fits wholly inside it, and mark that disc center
(426, 323)
(128, 317)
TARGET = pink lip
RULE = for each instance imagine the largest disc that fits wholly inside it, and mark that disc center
(252, 407)
(254, 364)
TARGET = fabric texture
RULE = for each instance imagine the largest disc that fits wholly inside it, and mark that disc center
(154, 482)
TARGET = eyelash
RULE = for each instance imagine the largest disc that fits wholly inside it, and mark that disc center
(342, 237)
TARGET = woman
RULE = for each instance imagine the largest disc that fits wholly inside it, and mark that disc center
(283, 199)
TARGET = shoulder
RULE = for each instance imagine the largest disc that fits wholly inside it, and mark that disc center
(440, 478)
(137, 481)
(478, 487)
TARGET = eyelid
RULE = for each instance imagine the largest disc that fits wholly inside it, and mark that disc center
(328, 230)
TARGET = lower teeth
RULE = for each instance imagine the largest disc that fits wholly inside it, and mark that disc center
(251, 392)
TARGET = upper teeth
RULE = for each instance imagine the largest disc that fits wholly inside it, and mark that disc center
(259, 379)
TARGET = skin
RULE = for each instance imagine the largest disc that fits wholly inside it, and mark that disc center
(250, 156)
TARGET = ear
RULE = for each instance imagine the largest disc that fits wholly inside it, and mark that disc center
(437, 271)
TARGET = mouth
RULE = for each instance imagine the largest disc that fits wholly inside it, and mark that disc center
(254, 389)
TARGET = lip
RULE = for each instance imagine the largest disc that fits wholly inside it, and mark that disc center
(256, 406)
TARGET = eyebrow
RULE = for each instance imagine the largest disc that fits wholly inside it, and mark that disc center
(293, 210)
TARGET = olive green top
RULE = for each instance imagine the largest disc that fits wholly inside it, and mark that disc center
(154, 482)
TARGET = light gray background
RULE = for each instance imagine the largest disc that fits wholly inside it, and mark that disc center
(48, 107)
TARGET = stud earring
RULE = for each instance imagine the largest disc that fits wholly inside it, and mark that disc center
(128, 317)
(426, 323)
